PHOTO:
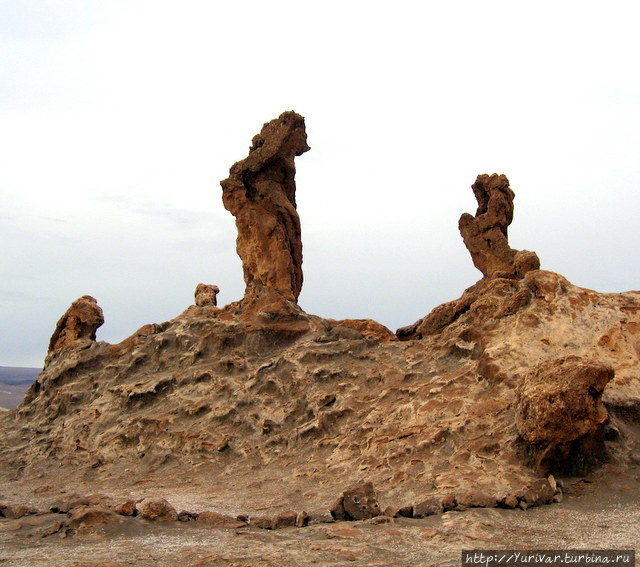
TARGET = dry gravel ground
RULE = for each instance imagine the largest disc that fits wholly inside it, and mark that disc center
(602, 512)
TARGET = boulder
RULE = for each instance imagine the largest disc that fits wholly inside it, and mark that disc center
(157, 509)
(357, 503)
(559, 411)
(83, 519)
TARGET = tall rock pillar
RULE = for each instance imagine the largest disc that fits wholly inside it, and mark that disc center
(260, 193)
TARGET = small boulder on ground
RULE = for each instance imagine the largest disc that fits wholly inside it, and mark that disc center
(157, 509)
(357, 503)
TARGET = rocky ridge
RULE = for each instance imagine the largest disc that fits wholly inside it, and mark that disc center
(474, 405)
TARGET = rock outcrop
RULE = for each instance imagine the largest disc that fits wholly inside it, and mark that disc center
(79, 323)
(206, 295)
(260, 193)
(485, 235)
(559, 412)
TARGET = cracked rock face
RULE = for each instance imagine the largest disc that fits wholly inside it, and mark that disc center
(80, 322)
(260, 193)
(485, 235)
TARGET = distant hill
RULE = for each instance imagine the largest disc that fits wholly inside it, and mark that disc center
(14, 382)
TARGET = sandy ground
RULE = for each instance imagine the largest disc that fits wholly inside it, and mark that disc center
(600, 512)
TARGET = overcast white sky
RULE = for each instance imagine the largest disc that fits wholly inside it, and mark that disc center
(119, 118)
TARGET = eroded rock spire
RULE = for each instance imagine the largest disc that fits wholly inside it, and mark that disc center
(260, 193)
(485, 235)
(80, 322)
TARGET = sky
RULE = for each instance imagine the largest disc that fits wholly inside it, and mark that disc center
(118, 120)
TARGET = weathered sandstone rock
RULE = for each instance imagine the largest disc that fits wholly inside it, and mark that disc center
(216, 520)
(205, 295)
(368, 328)
(485, 235)
(260, 193)
(558, 403)
(157, 509)
(357, 503)
(79, 323)
(88, 519)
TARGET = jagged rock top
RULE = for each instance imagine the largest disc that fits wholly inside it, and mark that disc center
(79, 322)
(261, 193)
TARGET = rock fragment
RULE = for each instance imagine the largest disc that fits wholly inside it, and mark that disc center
(157, 509)
(357, 503)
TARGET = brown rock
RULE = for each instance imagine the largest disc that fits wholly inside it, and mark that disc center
(449, 502)
(71, 501)
(127, 508)
(260, 193)
(216, 520)
(302, 520)
(320, 517)
(368, 328)
(79, 323)
(559, 411)
(157, 509)
(18, 511)
(12, 526)
(205, 295)
(185, 516)
(476, 499)
(485, 235)
(88, 518)
(357, 503)
(427, 507)
(51, 529)
(510, 501)
(286, 519)
(262, 522)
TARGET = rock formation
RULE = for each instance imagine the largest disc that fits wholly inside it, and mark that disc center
(485, 235)
(559, 411)
(260, 193)
(205, 295)
(261, 411)
(79, 323)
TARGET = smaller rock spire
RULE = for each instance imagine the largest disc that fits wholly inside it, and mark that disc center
(485, 235)
(260, 193)
(80, 322)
